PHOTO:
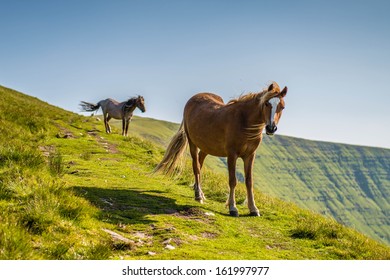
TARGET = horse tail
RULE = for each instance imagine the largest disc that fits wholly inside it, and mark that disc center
(89, 107)
(171, 162)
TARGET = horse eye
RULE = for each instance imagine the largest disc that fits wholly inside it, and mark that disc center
(267, 104)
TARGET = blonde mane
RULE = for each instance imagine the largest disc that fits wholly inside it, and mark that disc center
(254, 132)
(263, 95)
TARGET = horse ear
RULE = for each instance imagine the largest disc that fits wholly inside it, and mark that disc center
(271, 87)
(283, 92)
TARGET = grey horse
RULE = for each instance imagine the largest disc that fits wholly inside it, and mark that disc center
(117, 110)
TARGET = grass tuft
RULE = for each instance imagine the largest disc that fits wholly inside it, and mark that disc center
(56, 164)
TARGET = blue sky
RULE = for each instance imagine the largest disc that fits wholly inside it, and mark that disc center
(334, 56)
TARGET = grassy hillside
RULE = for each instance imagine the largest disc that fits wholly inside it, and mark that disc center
(69, 191)
(349, 183)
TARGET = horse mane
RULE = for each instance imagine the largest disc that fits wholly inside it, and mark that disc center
(263, 96)
(254, 132)
(129, 106)
(132, 101)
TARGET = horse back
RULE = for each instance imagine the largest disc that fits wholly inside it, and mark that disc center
(216, 128)
(206, 97)
(203, 103)
(112, 107)
(205, 123)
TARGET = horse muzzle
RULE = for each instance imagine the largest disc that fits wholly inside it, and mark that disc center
(270, 129)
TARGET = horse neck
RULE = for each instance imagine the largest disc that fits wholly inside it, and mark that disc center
(129, 108)
(252, 112)
(254, 119)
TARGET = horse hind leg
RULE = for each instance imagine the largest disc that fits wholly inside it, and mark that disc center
(201, 157)
(199, 196)
(108, 125)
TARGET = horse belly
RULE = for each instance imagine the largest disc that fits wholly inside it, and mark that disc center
(114, 111)
(209, 145)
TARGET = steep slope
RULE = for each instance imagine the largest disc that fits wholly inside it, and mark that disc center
(69, 191)
(349, 183)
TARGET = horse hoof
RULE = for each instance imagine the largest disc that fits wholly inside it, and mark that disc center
(233, 213)
(199, 199)
(254, 214)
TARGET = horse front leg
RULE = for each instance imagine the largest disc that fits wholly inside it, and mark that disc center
(248, 167)
(127, 126)
(232, 160)
(123, 126)
(199, 196)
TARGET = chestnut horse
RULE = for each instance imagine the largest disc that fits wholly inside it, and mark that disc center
(232, 130)
(117, 110)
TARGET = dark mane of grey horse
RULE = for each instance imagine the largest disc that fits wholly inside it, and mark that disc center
(130, 103)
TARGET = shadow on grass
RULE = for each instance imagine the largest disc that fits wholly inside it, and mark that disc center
(128, 206)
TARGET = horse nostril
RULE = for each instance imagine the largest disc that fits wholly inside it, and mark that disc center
(270, 129)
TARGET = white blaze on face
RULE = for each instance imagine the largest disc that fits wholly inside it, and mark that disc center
(274, 102)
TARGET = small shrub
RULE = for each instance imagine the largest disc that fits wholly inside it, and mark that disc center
(304, 233)
(325, 229)
(86, 155)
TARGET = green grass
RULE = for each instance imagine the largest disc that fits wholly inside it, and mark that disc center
(349, 183)
(70, 191)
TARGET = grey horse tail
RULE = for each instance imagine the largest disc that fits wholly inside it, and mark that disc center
(89, 107)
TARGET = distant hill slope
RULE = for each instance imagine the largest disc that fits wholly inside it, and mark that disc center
(349, 183)
(70, 191)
